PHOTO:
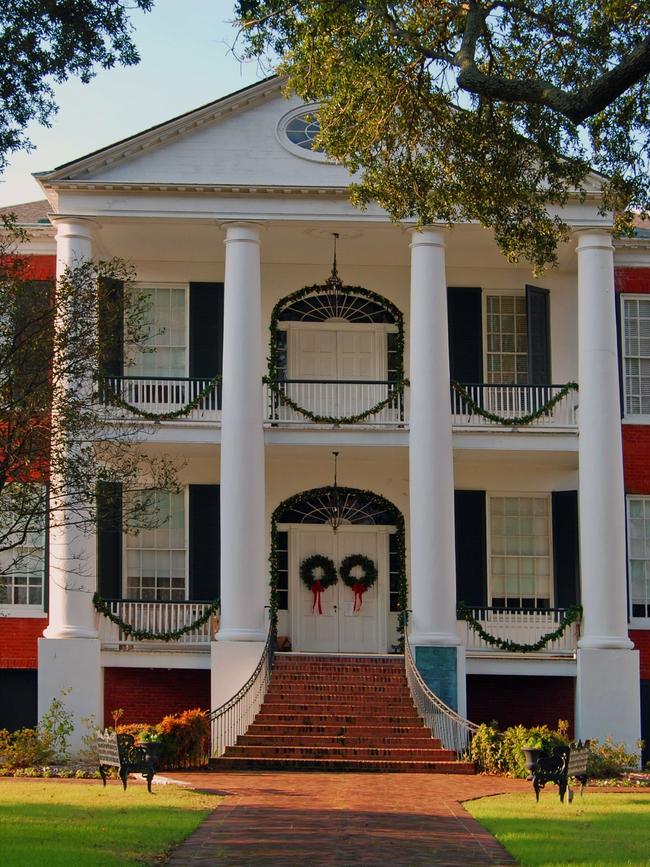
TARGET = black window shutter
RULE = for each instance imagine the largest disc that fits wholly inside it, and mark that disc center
(471, 550)
(110, 327)
(206, 331)
(205, 543)
(566, 551)
(618, 302)
(46, 553)
(465, 334)
(539, 336)
(109, 540)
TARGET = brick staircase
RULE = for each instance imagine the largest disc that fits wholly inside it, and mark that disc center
(339, 714)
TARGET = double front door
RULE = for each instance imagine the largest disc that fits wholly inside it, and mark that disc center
(339, 627)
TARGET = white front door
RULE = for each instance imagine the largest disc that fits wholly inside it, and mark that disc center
(339, 628)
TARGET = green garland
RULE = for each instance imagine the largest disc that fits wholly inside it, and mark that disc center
(370, 497)
(571, 615)
(330, 419)
(519, 421)
(116, 400)
(144, 634)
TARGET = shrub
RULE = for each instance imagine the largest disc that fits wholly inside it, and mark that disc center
(55, 727)
(25, 748)
(185, 739)
(497, 752)
(610, 760)
(137, 730)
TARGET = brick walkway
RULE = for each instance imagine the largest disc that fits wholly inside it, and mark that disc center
(336, 820)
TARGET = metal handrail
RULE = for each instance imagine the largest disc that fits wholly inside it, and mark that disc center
(452, 730)
(234, 717)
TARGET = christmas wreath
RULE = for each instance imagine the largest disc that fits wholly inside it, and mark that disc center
(316, 584)
(359, 585)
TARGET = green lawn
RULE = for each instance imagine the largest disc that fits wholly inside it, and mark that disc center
(82, 824)
(595, 829)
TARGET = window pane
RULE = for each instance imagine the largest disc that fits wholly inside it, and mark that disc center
(156, 558)
(507, 339)
(636, 355)
(638, 524)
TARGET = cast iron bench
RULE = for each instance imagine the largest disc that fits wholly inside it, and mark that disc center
(120, 751)
(565, 762)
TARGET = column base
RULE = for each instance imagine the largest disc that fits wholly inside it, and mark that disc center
(605, 642)
(231, 664)
(608, 700)
(442, 668)
(70, 670)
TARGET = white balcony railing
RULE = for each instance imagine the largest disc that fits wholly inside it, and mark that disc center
(156, 617)
(523, 626)
(333, 400)
(160, 395)
(514, 401)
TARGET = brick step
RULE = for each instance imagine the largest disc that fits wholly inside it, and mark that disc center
(266, 717)
(364, 696)
(338, 752)
(341, 670)
(352, 765)
(310, 740)
(369, 686)
(358, 709)
(299, 701)
(413, 732)
(296, 677)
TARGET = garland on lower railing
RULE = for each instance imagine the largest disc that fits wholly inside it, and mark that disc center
(398, 390)
(572, 615)
(517, 421)
(146, 635)
(107, 393)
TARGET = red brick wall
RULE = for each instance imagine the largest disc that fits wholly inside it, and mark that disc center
(18, 637)
(35, 267)
(518, 700)
(636, 458)
(149, 694)
(641, 639)
(632, 280)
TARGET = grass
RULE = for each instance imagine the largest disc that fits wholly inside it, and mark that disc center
(83, 824)
(596, 829)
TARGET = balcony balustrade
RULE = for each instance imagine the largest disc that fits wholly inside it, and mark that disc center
(157, 616)
(163, 395)
(513, 402)
(520, 625)
(334, 402)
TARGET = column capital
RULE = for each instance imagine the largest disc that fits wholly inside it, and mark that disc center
(242, 230)
(592, 238)
(73, 226)
(427, 236)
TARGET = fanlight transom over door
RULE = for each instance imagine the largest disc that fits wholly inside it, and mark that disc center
(339, 629)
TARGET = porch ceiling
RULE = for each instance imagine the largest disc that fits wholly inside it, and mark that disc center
(298, 243)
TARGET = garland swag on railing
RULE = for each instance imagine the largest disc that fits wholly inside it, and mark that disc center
(517, 421)
(114, 399)
(572, 615)
(144, 634)
(330, 419)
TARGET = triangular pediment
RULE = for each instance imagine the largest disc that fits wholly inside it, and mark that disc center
(237, 140)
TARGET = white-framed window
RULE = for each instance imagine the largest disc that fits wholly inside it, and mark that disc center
(638, 544)
(506, 338)
(635, 316)
(166, 328)
(22, 566)
(520, 550)
(156, 550)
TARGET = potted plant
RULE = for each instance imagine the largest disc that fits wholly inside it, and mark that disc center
(532, 752)
(151, 741)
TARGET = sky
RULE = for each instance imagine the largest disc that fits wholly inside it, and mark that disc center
(186, 60)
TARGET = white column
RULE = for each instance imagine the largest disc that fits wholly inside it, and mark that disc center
(431, 469)
(244, 583)
(69, 655)
(73, 544)
(607, 688)
(602, 499)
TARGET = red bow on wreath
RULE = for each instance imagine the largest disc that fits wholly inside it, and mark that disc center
(358, 589)
(316, 589)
